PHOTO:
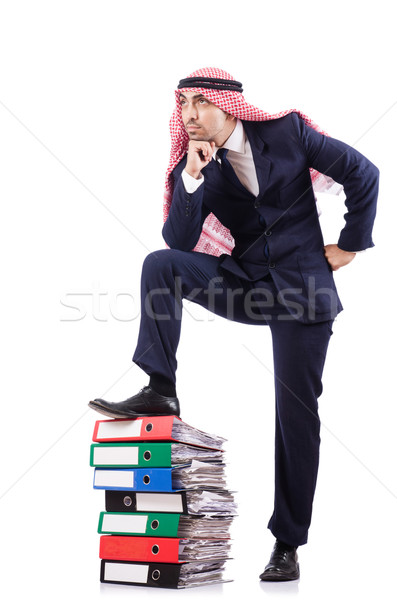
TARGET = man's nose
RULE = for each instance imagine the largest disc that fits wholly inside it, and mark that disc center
(191, 112)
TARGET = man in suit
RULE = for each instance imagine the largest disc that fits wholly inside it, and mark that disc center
(252, 174)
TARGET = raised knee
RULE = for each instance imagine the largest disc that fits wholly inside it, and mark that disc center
(161, 260)
(153, 258)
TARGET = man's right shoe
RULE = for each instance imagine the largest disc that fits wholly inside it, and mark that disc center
(146, 403)
(283, 564)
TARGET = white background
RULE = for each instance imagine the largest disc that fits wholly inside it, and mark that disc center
(86, 92)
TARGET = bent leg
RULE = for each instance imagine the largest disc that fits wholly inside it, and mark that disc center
(168, 276)
(299, 352)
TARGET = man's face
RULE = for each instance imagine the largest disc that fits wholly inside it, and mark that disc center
(203, 120)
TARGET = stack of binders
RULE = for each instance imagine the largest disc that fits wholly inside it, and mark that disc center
(168, 510)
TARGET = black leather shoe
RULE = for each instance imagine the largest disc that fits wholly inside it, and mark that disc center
(145, 403)
(283, 564)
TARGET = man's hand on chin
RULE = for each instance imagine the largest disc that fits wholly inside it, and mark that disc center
(199, 155)
(336, 257)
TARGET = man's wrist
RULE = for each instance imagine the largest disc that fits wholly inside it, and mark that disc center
(194, 174)
(191, 183)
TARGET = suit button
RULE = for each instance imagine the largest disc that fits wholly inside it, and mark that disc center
(257, 204)
(272, 265)
(268, 233)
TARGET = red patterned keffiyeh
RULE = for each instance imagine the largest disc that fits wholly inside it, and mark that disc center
(215, 238)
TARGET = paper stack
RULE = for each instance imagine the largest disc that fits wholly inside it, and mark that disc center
(168, 510)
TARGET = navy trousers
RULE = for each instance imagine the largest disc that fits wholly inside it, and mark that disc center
(299, 352)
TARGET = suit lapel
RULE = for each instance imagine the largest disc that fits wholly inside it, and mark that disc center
(258, 147)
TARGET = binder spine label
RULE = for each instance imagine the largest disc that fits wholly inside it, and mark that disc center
(114, 455)
(159, 502)
(106, 478)
(107, 429)
(122, 523)
(124, 572)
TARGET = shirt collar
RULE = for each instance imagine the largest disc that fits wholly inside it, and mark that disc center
(236, 141)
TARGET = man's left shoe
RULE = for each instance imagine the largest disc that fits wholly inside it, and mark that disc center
(145, 403)
(283, 564)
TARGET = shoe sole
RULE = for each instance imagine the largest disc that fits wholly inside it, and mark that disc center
(122, 415)
(279, 577)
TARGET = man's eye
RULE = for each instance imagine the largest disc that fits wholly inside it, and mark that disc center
(203, 101)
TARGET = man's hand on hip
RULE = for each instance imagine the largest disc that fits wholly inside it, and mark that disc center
(337, 257)
(199, 155)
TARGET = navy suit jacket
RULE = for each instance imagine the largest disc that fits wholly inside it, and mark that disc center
(283, 216)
